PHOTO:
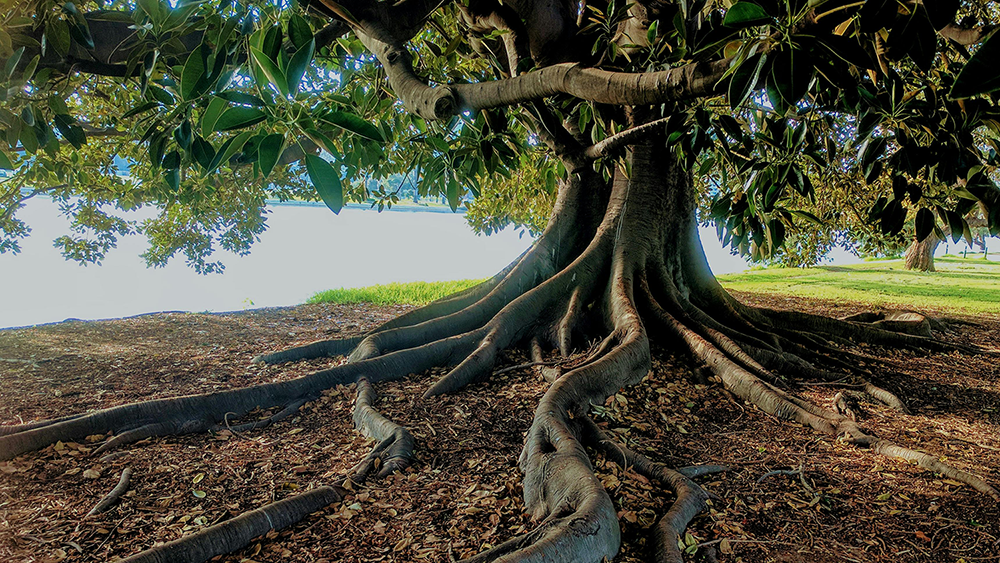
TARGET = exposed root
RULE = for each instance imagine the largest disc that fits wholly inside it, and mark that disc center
(16, 428)
(320, 349)
(237, 533)
(744, 384)
(284, 413)
(111, 498)
(691, 497)
(152, 431)
(394, 451)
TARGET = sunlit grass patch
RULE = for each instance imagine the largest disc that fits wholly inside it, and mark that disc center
(413, 293)
(971, 285)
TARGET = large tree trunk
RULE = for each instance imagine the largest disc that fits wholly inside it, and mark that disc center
(920, 255)
(620, 265)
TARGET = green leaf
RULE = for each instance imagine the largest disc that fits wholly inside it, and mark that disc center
(744, 80)
(270, 70)
(70, 130)
(745, 14)
(11, 64)
(203, 151)
(299, 31)
(924, 223)
(242, 99)
(228, 149)
(172, 160)
(326, 181)
(192, 74)
(355, 124)
(269, 151)
(453, 192)
(140, 109)
(212, 114)
(981, 75)
(161, 95)
(238, 117)
(955, 223)
(57, 36)
(298, 65)
(173, 178)
(790, 75)
(5, 162)
(182, 134)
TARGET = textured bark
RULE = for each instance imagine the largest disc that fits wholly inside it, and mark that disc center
(920, 254)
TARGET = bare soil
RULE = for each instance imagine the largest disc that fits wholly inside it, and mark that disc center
(463, 493)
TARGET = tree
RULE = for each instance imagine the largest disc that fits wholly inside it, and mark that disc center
(617, 108)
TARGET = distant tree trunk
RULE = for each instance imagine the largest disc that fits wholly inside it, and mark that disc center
(920, 255)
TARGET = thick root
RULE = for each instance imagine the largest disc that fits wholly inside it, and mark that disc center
(394, 451)
(237, 533)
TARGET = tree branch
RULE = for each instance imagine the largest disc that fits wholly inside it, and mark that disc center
(623, 138)
(621, 88)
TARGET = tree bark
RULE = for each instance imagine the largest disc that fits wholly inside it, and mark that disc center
(920, 255)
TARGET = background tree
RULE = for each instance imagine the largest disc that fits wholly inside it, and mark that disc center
(617, 108)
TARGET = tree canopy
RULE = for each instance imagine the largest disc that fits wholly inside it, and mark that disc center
(887, 108)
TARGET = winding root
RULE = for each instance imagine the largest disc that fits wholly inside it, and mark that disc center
(394, 452)
(691, 497)
(748, 386)
(111, 498)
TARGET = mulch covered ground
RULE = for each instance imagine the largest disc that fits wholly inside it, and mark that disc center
(463, 493)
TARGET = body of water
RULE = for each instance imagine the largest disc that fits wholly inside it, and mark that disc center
(305, 249)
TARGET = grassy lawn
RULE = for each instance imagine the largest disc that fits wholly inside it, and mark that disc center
(414, 293)
(971, 285)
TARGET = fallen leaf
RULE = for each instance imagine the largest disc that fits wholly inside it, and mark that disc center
(725, 547)
(91, 474)
(197, 478)
(198, 494)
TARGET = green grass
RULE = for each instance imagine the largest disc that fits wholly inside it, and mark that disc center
(971, 285)
(414, 293)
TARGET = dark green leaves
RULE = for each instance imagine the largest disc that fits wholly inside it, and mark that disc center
(192, 74)
(981, 74)
(269, 151)
(877, 14)
(745, 14)
(326, 180)
(298, 65)
(5, 162)
(270, 70)
(238, 117)
(791, 72)
(924, 223)
(744, 80)
(203, 152)
(915, 37)
(70, 130)
(355, 124)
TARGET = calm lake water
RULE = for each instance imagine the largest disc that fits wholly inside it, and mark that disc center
(305, 249)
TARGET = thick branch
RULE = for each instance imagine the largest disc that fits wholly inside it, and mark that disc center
(620, 88)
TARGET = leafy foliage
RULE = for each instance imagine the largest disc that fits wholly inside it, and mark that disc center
(227, 104)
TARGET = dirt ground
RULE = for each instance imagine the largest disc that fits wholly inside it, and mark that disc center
(463, 493)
